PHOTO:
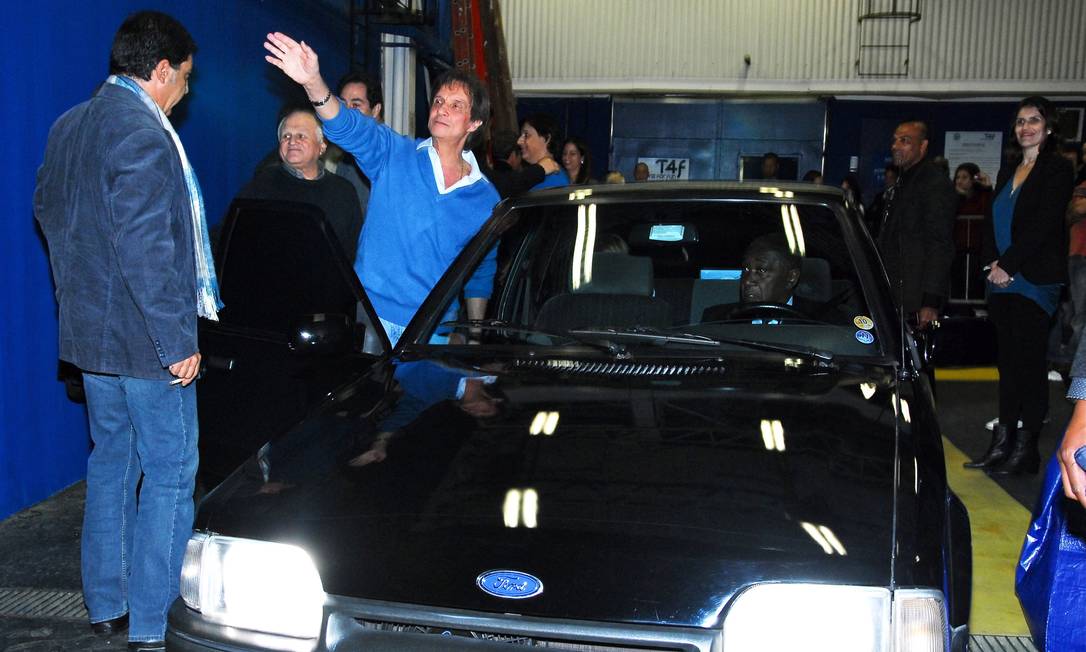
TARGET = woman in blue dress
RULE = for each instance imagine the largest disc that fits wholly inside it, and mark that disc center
(1025, 245)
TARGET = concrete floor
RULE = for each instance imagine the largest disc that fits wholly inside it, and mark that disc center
(964, 407)
(39, 547)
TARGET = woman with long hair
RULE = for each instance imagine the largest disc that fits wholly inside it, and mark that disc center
(577, 161)
(974, 190)
(1025, 246)
(539, 138)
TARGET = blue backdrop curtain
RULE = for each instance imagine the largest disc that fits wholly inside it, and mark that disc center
(53, 55)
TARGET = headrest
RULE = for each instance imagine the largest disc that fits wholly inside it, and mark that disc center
(616, 273)
(814, 280)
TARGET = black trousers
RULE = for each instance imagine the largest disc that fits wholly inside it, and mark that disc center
(1022, 337)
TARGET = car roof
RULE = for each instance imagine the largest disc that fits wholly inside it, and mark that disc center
(686, 190)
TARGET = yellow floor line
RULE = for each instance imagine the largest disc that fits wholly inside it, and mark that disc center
(998, 523)
(967, 373)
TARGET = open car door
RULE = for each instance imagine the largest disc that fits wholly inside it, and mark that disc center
(296, 325)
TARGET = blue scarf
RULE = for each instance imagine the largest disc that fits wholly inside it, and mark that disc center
(208, 303)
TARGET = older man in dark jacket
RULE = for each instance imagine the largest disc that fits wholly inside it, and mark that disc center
(121, 211)
(916, 239)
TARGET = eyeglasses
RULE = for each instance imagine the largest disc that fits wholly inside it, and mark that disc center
(293, 137)
(1079, 192)
(456, 106)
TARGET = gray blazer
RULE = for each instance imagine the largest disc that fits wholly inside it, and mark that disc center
(112, 204)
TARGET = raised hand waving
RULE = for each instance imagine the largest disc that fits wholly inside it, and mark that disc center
(297, 60)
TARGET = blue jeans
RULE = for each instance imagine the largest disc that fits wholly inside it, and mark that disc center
(133, 544)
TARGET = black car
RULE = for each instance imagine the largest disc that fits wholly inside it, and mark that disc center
(634, 451)
(279, 278)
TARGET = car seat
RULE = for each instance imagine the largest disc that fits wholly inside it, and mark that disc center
(616, 292)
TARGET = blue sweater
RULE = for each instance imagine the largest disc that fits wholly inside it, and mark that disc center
(559, 178)
(412, 231)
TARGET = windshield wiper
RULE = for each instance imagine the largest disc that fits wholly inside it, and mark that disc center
(658, 337)
(759, 345)
(645, 334)
(818, 354)
(501, 325)
(614, 340)
(497, 325)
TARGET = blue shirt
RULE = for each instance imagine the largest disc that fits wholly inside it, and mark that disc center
(1045, 296)
(413, 229)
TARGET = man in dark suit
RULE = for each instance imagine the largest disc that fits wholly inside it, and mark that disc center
(770, 274)
(122, 213)
(301, 177)
(917, 239)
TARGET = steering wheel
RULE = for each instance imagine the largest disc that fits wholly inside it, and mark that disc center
(768, 311)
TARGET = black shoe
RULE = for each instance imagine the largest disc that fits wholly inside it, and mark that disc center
(110, 627)
(998, 450)
(1024, 457)
(147, 646)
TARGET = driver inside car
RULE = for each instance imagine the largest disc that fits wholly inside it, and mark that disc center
(770, 275)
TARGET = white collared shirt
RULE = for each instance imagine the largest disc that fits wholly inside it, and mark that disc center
(439, 176)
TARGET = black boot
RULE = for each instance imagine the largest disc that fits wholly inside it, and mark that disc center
(1024, 457)
(997, 451)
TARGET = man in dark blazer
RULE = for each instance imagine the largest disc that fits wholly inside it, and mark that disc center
(122, 215)
(770, 274)
(917, 239)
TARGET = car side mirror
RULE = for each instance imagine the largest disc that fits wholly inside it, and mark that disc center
(322, 334)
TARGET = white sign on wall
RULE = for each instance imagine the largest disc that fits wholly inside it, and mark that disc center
(985, 148)
(667, 169)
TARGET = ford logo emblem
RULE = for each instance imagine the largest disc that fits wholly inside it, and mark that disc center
(509, 584)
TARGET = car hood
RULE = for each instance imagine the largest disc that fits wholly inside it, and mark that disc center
(648, 499)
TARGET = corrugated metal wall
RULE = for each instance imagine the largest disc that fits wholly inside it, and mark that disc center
(795, 46)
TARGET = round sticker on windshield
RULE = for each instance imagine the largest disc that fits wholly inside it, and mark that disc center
(864, 322)
(864, 337)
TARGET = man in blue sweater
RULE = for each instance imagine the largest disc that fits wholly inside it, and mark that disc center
(429, 197)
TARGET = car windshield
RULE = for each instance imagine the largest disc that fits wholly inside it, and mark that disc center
(696, 274)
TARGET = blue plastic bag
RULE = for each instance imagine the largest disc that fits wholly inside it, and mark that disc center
(1051, 576)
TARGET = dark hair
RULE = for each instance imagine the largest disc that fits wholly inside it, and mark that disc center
(480, 99)
(1052, 123)
(546, 127)
(374, 94)
(776, 243)
(144, 39)
(971, 168)
(503, 143)
(586, 156)
(854, 185)
(772, 155)
(811, 175)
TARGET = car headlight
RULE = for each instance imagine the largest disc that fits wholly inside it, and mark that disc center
(815, 617)
(257, 585)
